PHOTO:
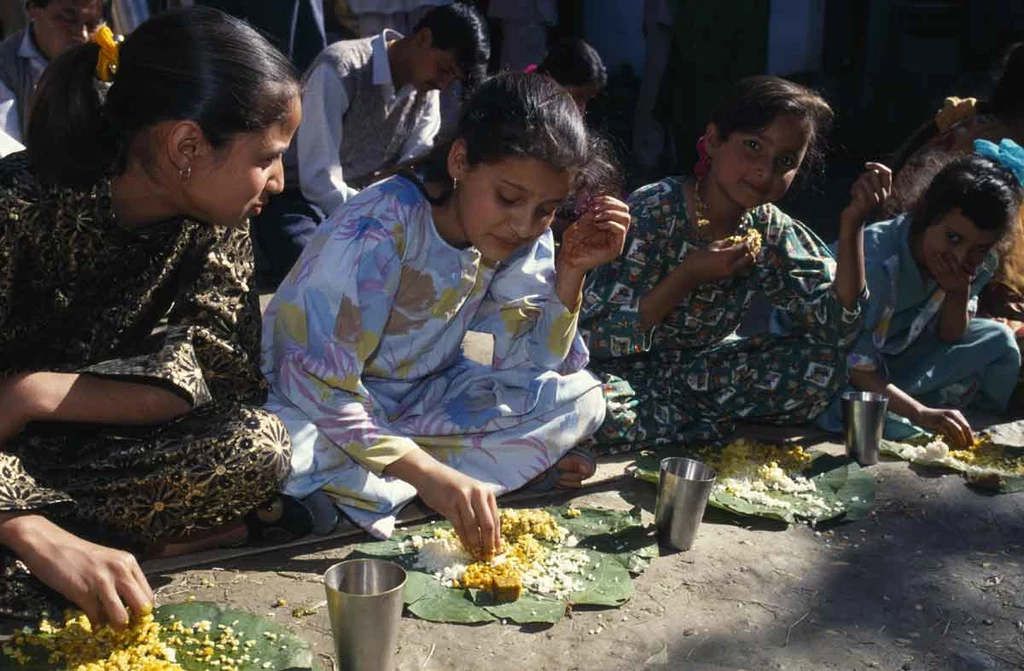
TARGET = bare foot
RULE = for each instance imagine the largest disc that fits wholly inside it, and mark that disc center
(574, 469)
(234, 533)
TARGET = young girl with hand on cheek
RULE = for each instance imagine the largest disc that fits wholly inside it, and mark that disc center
(663, 317)
(362, 343)
(921, 344)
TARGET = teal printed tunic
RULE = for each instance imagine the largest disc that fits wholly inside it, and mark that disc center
(691, 377)
(900, 338)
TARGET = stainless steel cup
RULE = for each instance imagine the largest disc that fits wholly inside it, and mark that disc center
(364, 601)
(684, 486)
(864, 416)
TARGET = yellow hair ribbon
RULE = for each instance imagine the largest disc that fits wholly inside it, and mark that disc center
(954, 110)
(106, 62)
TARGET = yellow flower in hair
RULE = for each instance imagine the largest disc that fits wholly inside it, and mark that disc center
(954, 110)
(106, 62)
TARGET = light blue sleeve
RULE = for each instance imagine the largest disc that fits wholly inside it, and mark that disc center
(530, 324)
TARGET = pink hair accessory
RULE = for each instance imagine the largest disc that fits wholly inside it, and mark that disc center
(532, 67)
(704, 160)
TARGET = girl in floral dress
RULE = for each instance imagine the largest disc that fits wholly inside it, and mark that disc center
(362, 342)
(663, 317)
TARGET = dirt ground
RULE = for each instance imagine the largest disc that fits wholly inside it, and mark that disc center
(932, 580)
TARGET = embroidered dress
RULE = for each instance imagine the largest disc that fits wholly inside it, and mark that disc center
(900, 337)
(691, 377)
(80, 294)
(362, 348)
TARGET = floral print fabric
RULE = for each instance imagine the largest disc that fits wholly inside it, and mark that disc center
(362, 348)
(690, 377)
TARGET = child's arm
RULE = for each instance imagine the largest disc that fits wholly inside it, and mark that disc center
(470, 505)
(950, 423)
(818, 294)
(533, 304)
(962, 285)
(954, 316)
(209, 351)
(718, 262)
(629, 296)
(870, 191)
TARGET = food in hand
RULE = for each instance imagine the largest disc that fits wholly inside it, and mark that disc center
(752, 237)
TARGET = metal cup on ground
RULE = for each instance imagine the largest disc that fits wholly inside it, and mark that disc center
(364, 601)
(864, 415)
(684, 486)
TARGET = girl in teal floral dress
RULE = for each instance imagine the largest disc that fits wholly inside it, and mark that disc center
(663, 317)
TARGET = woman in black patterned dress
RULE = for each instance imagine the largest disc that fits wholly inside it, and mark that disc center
(129, 331)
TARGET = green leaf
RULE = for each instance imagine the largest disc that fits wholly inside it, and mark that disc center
(853, 486)
(606, 582)
(388, 548)
(620, 535)
(838, 485)
(528, 609)
(725, 501)
(418, 584)
(285, 651)
(990, 482)
(616, 543)
(449, 605)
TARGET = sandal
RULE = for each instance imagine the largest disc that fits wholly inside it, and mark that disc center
(548, 480)
(278, 521)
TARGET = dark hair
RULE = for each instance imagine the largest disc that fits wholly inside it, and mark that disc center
(573, 62)
(756, 102)
(521, 115)
(197, 64)
(43, 4)
(1007, 99)
(987, 193)
(460, 28)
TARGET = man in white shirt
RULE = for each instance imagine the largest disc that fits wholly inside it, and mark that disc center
(55, 27)
(367, 105)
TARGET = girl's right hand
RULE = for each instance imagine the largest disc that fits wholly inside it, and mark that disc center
(469, 505)
(950, 423)
(104, 583)
(719, 261)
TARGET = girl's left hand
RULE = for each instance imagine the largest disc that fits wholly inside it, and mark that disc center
(870, 190)
(597, 237)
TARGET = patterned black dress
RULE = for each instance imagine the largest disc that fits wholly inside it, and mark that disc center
(169, 304)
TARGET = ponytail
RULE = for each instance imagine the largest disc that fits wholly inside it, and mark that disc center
(196, 64)
(68, 138)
